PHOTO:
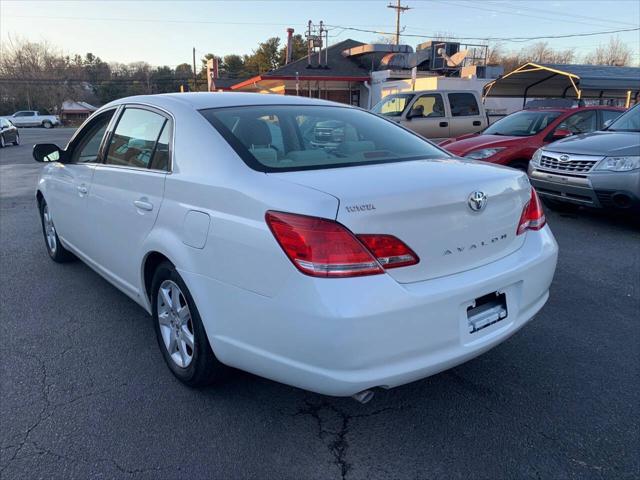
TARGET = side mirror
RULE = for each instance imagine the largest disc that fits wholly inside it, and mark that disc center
(561, 133)
(47, 152)
(415, 112)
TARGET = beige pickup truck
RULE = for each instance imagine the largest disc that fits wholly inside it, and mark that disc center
(436, 115)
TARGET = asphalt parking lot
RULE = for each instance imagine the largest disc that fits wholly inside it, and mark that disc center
(84, 392)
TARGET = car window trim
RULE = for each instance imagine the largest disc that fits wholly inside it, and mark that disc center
(78, 136)
(169, 120)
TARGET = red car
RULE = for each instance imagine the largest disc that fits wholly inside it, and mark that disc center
(512, 140)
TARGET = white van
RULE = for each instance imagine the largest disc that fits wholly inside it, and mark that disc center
(435, 114)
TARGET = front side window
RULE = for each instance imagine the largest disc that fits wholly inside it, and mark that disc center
(87, 144)
(311, 137)
(581, 122)
(428, 106)
(463, 105)
(629, 121)
(392, 105)
(522, 124)
(134, 140)
(610, 116)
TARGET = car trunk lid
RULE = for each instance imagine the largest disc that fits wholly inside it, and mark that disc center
(426, 204)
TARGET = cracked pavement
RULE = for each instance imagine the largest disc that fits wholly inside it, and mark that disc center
(84, 392)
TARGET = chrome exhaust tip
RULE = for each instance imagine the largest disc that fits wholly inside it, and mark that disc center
(364, 396)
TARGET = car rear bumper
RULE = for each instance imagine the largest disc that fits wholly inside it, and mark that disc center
(619, 190)
(342, 336)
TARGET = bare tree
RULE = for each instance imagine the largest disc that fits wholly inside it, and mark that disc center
(35, 75)
(613, 53)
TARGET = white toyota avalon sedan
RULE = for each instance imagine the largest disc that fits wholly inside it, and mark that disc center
(308, 242)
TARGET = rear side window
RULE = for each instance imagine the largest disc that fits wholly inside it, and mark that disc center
(134, 140)
(287, 137)
(463, 105)
(581, 122)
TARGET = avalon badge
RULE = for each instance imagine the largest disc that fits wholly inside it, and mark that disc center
(477, 201)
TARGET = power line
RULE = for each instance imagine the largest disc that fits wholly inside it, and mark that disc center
(500, 39)
(514, 13)
(571, 15)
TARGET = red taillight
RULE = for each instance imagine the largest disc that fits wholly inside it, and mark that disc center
(532, 217)
(324, 248)
(390, 251)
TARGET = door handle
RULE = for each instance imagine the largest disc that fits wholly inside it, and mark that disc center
(444, 124)
(143, 205)
(82, 190)
(477, 123)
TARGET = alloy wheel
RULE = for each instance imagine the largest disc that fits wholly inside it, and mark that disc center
(176, 326)
(49, 230)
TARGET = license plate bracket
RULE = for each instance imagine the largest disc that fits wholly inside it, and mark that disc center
(486, 311)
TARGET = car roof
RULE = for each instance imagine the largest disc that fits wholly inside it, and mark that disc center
(204, 100)
(573, 109)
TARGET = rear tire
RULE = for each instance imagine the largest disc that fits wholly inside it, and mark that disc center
(16, 142)
(1, 141)
(55, 249)
(181, 336)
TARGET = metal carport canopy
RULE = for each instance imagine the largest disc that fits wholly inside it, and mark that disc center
(540, 80)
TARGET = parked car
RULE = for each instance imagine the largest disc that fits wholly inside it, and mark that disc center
(436, 115)
(598, 169)
(33, 118)
(376, 263)
(8, 133)
(514, 139)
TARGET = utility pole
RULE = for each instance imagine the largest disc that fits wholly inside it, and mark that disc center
(195, 85)
(399, 9)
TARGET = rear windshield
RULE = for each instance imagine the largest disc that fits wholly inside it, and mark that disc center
(273, 138)
(522, 124)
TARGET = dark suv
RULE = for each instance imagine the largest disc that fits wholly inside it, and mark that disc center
(599, 169)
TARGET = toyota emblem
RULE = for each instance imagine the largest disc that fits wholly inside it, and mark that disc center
(477, 201)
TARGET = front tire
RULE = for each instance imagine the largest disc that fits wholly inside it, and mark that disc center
(16, 142)
(2, 145)
(179, 330)
(47, 124)
(55, 249)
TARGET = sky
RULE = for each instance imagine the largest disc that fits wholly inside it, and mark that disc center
(164, 32)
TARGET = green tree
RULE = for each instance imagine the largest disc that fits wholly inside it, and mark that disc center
(233, 66)
(266, 57)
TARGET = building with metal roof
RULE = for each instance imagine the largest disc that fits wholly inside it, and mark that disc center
(534, 80)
